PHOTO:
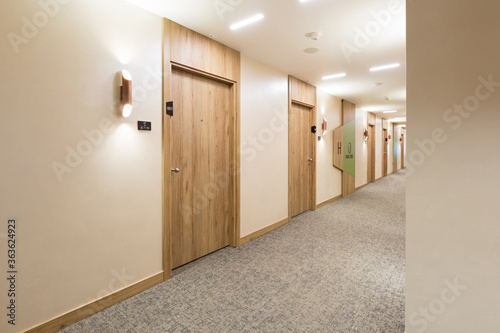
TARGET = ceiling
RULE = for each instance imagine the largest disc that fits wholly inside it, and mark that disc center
(355, 36)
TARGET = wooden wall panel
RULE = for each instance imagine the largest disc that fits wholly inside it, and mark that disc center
(371, 119)
(302, 92)
(348, 181)
(197, 54)
(348, 184)
(349, 111)
(385, 124)
(194, 50)
(338, 148)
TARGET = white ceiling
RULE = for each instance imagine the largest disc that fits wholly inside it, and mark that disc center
(280, 38)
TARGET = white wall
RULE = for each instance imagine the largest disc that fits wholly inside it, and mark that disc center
(328, 178)
(361, 148)
(264, 146)
(103, 216)
(453, 176)
(379, 153)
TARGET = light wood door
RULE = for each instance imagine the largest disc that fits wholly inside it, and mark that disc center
(371, 154)
(199, 147)
(402, 151)
(385, 149)
(301, 158)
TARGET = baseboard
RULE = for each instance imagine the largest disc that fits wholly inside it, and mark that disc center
(85, 311)
(376, 180)
(324, 203)
(360, 187)
(263, 231)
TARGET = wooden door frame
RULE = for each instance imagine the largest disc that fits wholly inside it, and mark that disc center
(385, 151)
(312, 185)
(402, 149)
(371, 158)
(394, 150)
(234, 151)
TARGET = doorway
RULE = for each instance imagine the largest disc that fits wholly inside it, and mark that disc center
(385, 142)
(199, 166)
(371, 154)
(301, 158)
(402, 149)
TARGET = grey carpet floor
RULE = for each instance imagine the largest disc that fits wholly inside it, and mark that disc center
(340, 268)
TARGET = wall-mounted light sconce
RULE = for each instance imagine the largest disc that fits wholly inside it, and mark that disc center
(389, 137)
(324, 126)
(401, 138)
(365, 135)
(126, 93)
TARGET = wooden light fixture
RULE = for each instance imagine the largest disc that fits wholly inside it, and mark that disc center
(324, 126)
(126, 93)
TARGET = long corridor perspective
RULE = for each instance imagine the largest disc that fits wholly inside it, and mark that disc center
(340, 268)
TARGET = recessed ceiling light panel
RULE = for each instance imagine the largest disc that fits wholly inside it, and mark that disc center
(333, 76)
(384, 67)
(393, 111)
(247, 21)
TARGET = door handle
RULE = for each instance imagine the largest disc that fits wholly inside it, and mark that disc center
(309, 159)
(176, 170)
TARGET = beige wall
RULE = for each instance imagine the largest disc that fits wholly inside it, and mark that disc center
(328, 178)
(361, 148)
(93, 226)
(264, 146)
(453, 166)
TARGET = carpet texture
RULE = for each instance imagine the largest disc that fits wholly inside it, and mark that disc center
(340, 268)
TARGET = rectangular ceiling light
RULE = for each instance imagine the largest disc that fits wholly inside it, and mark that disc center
(397, 120)
(381, 68)
(390, 111)
(334, 76)
(247, 21)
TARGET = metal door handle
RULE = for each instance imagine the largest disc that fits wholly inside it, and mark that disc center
(310, 159)
(176, 170)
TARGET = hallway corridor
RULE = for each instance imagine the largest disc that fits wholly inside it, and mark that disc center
(340, 268)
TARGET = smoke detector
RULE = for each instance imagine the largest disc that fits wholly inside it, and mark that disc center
(387, 98)
(315, 35)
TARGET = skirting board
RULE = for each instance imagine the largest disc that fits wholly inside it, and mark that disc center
(360, 187)
(85, 311)
(263, 231)
(324, 203)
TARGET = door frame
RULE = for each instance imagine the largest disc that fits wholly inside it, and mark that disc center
(371, 158)
(403, 134)
(385, 151)
(312, 143)
(234, 151)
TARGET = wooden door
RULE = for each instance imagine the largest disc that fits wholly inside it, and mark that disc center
(402, 150)
(301, 158)
(385, 149)
(371, 154)
(199, 148)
